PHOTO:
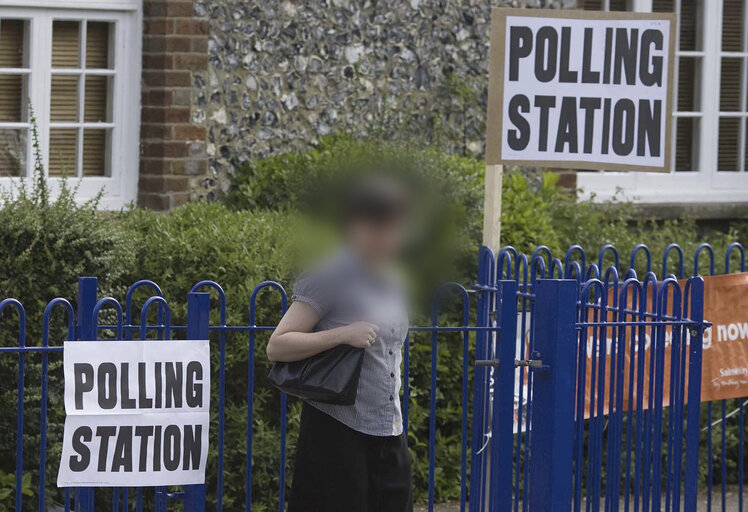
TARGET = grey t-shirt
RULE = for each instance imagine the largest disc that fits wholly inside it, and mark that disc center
(343, 291)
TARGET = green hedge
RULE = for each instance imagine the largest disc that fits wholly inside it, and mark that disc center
(238, 250)
(46, 245)
(535, 211)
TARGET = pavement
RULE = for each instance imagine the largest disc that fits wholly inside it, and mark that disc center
(731, 503)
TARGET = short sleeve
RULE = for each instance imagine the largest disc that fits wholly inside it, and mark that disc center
(314, 289)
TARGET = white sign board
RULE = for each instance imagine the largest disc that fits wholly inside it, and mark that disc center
(137, 413)
(581, 90)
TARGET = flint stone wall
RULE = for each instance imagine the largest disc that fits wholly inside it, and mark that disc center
(282, 74)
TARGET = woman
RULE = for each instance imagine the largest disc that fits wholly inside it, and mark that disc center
(354, 458)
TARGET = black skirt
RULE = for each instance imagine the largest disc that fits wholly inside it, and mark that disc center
(341, 470)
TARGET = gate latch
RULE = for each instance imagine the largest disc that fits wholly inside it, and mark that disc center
(487, 362)
(530, 363)
(536, 363)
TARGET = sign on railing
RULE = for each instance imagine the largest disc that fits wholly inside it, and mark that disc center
(137, 413)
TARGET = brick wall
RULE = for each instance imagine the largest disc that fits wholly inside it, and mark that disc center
(172, 146)
(568, 179)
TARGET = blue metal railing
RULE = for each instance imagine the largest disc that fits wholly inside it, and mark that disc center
(639, 488)
(84, 324)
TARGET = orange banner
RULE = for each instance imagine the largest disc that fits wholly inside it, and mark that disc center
(724, 355)
(725, 366)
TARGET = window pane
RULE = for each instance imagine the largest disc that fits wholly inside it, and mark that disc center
(66, 44)
(95, 152)
(95, 103)
(689, 14)
(63, 145)
(12, 98)
(732, 25)
(64, 98)
(591, 5)
(730, 86)
(599, 5)
(689, 70)
(689, 31)
(12, 152)
(97, 45)
(663, 5)
(686, 143)
(11, 43)
(729, 135)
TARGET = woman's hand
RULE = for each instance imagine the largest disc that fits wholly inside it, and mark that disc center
(360, 334)
(294, 340)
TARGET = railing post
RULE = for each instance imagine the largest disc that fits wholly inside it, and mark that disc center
(503, 399)
(478, 462)
(551, 449)
(693, 420)
(88, 291)
(198, 323)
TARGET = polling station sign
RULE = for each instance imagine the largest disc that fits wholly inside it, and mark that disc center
(581, 90)
(137, 413)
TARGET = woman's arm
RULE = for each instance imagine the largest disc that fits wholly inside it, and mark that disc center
(293, 340)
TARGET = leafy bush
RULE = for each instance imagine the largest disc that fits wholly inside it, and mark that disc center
(287, 180)
(45, 245)
(8, 489)
(534, 212)
(449, 190)
(208, 241)
(548, 215)
(238, 250)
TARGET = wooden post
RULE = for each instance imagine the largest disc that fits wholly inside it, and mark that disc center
(492, 207)
(491, 239)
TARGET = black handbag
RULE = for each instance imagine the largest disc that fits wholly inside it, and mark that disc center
(330, 376)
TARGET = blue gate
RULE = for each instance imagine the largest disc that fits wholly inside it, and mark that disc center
(603, 435)
(526, 421)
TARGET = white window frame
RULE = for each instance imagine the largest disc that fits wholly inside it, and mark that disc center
(705, 184)
(120, 187)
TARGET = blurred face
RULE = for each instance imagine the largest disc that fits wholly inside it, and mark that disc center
(377, 242)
